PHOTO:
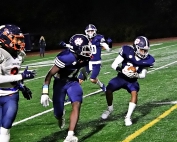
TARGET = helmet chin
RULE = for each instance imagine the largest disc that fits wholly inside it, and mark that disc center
(142, 56)
(90, 35)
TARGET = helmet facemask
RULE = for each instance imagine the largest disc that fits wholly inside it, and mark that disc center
(12, 38)
(16, 42)
(141, 52)
(86, 51)
(90, 33)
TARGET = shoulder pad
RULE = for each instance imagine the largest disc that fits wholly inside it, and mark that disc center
(125, 49)
(100, 37)
(64, 58)
(61, 59)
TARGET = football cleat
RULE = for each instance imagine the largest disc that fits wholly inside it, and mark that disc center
(71, 139)
(61, 121)
(128, 121)
(106, 114)
(103, 88)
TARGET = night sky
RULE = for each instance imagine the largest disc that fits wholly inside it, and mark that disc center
(122, 20)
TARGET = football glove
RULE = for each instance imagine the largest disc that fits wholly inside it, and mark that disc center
(45, 97)
(25, 91)
(62, 44)
(45, 100)
(26, 74)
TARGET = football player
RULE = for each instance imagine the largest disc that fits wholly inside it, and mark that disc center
(132, 64)
(11, 81)
(98, 43)
(65, 69)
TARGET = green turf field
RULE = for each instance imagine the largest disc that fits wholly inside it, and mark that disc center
(154, 119)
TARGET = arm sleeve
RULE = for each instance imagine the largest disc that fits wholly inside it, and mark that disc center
(69, 46)
(106, 46)
(143, 73)
(119, 59)
(10, 78)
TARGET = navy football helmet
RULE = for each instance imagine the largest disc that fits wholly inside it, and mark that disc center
(90, 31)
(141, 47)
(12, 37)
(80, 45)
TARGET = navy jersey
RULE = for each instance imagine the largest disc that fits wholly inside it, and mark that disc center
(96, 47)
(69, 65)
(127, 52)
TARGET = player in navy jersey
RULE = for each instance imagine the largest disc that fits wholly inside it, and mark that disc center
(11, 81)
(97, 42)
(65, 70)
(138, 58)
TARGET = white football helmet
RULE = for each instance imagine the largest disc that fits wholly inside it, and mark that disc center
(90, 31)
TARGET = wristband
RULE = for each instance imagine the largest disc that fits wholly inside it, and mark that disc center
(45, 89)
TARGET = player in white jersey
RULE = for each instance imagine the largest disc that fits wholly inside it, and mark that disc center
(11, 46)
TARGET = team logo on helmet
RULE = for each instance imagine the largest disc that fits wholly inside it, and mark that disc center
(78, 41)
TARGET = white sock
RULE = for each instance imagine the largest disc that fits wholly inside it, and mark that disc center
(110, 108)
(5, 135)
(70, 133)
(5, 138)
(131, 108)
(100, 84)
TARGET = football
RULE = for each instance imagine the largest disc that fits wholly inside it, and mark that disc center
(132, 69)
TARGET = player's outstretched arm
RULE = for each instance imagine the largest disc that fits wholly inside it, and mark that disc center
(105, 46)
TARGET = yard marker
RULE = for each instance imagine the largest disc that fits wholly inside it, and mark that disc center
(106, 72)
(147, 126)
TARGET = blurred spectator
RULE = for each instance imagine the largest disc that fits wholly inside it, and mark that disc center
(42, 45)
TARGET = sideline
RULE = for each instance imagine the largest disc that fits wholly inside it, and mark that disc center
(39, 114)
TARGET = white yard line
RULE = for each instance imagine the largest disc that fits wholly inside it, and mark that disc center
(39, 114)
(49, 110)
(51, 62)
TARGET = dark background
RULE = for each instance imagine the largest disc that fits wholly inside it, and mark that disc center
(122, 20)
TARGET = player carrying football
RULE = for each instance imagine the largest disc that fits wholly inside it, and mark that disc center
(135, 61)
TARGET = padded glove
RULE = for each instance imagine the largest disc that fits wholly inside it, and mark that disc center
(26, 74)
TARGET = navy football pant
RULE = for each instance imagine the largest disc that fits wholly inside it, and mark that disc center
(60, 90)
(120, 83)
(8, 110)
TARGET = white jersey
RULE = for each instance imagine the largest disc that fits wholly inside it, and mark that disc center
(9, 72)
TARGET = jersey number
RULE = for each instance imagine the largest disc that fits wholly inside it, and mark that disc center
(93, 49)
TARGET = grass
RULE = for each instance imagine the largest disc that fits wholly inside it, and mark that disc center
(159, 86)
